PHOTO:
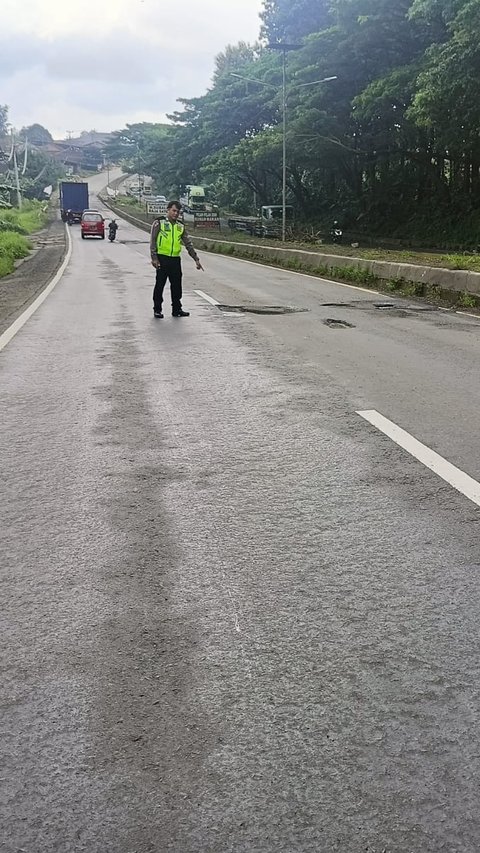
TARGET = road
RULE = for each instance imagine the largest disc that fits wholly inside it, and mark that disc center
(237, 616)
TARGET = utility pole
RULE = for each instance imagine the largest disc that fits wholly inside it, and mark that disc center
(13, 157)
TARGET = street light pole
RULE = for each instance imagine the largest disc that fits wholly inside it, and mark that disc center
(283, 47)
(284, 146)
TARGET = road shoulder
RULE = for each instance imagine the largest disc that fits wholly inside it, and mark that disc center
(19, 289)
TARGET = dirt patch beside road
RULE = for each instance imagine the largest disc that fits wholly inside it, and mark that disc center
(32, 275)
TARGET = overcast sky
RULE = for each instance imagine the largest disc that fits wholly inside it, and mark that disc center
(74, 65)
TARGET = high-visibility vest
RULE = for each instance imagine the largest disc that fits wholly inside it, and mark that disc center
(169, 238)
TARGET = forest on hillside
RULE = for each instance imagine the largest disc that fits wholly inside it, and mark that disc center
(390, 147)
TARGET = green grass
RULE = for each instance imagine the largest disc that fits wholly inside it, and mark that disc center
(450, 261)
(14, 244)
(31, 218)
(129, 203)
(14, 226)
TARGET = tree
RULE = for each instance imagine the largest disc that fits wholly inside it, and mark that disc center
(3, 120)
(292, 20)
(36, 134)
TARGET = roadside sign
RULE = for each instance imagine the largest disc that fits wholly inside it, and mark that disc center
(157, 207)
(206, 220)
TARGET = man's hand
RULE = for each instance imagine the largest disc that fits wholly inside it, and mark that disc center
(198, 265)
(155, 264)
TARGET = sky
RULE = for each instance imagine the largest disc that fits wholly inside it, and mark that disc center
(73, 65)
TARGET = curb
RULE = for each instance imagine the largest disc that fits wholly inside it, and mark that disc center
(460, 281)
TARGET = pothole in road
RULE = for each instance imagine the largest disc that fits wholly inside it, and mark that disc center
(134, 242)
(337, 305)
(337, 324)
(367, 304)
(261, 309)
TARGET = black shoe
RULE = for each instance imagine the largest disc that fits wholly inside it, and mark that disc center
(180, 313)
(158, 315)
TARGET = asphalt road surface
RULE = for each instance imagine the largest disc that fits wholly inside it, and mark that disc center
(236, 614)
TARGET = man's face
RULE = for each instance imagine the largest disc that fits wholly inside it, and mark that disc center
(173, 213)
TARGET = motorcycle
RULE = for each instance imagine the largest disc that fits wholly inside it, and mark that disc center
(336, 233)
(112, 232)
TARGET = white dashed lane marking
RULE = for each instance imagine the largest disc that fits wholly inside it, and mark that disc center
(460, 481)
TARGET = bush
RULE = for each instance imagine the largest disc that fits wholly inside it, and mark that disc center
(15, 245)
(11, 226)
(32, 217)
(6, 265)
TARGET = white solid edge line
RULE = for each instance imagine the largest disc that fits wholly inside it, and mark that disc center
(12, 330)
(207, 297)
(304, 274)
(450, 473)
(466, 314)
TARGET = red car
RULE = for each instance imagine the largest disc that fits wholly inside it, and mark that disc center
(92, 224)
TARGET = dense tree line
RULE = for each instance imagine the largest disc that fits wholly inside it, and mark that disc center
(391, 147)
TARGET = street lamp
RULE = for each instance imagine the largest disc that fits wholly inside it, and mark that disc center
(284, 47)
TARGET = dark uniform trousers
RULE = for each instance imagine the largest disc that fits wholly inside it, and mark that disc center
(171, 269)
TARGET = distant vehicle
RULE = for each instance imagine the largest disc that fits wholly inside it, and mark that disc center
(335, 233)
(73, 200)
(112, 230)
(193, 201)
(268, 224)
(92, 224)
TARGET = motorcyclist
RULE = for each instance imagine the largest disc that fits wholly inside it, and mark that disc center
(112, 228)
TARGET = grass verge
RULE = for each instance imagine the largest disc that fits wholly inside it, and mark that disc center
(15, 225)
(459, 261)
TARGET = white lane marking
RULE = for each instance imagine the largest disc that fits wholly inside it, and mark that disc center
(450, 473)
(12, 330)
(214, 302)
(466, 314)
(207, 297)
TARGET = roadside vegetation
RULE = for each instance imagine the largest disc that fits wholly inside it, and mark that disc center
(388, 147)
(15, 228)
(129, 204)
(458, 261)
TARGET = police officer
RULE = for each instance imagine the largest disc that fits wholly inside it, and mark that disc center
(166, 239)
